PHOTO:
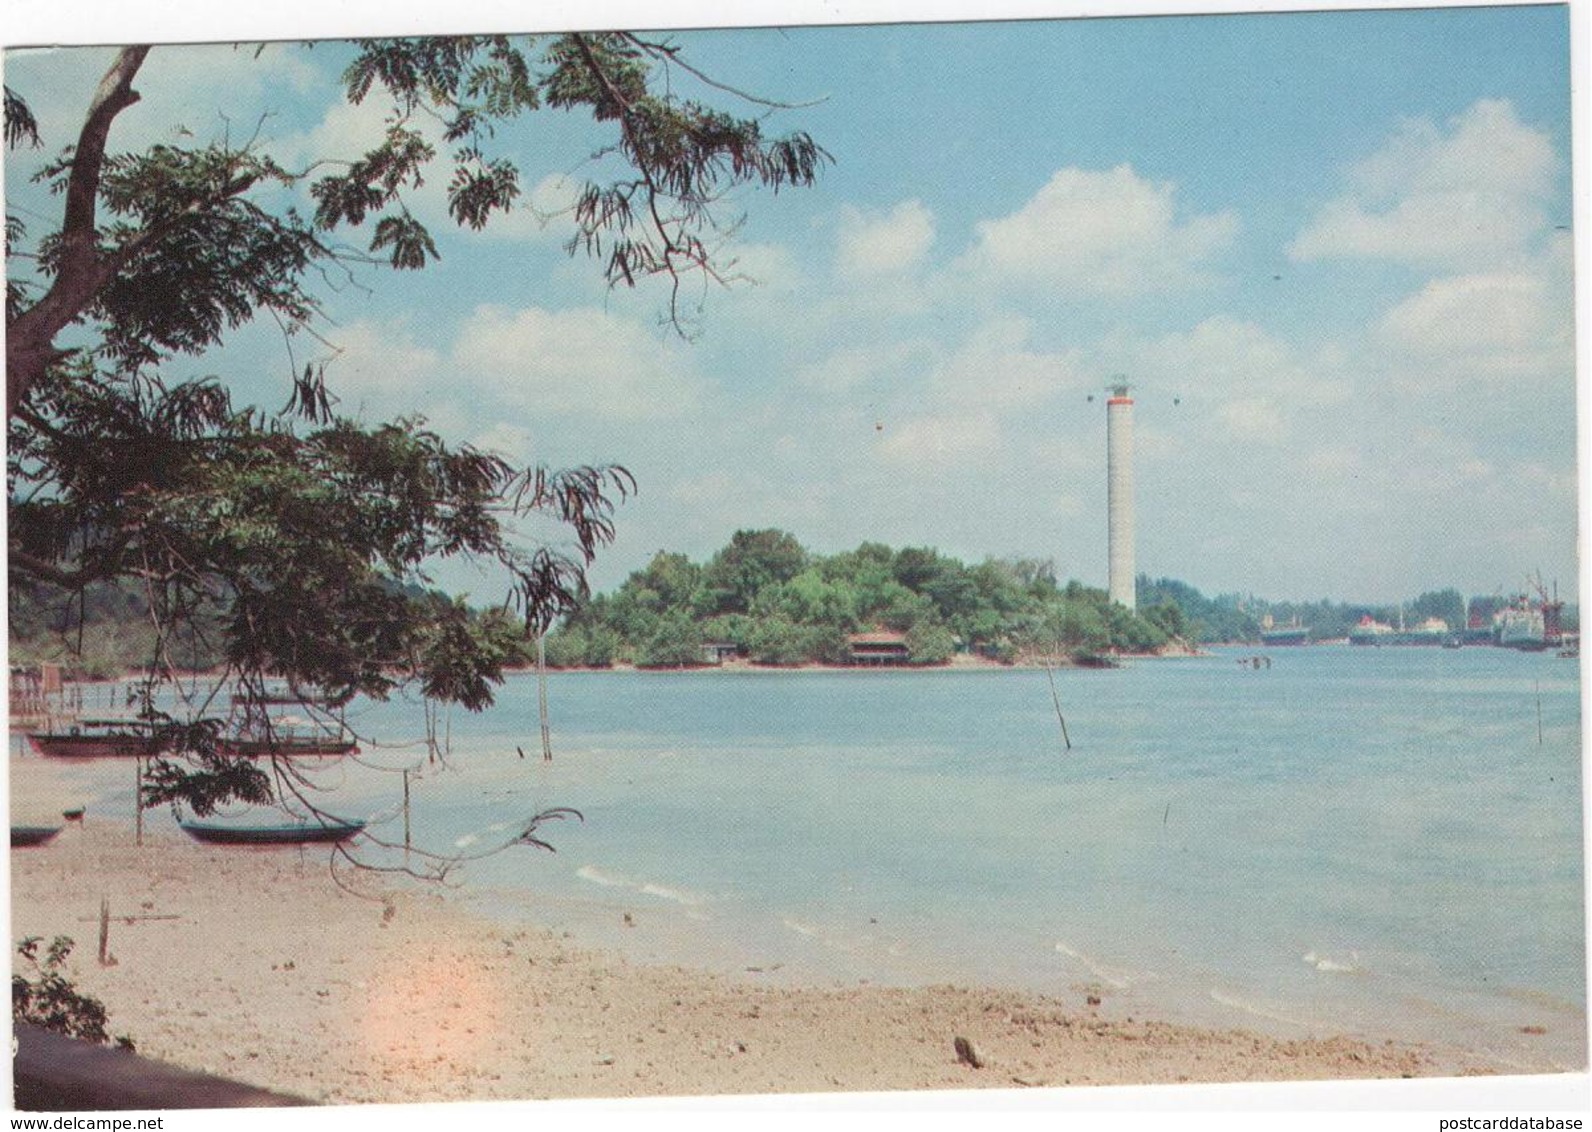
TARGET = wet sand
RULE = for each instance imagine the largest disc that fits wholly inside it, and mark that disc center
(255, 964)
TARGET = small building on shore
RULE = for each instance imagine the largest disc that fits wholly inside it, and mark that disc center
(879, 648)
(38, 691)
(717, 652)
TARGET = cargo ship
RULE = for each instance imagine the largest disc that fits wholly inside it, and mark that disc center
(1521, 626)
(1531, 624)
(1370, 631)
(1280, 636)
(1432, 632)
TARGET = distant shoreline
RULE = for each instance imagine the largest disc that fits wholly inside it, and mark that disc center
(962, 662)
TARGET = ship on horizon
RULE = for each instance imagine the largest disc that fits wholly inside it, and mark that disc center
(1528, 623)
(1285, 635)
(1430, 632)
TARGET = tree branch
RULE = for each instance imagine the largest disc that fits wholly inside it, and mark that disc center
(82, 271)
(27, 565)
(668, 53)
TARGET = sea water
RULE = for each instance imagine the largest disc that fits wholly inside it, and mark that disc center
(1384, 842)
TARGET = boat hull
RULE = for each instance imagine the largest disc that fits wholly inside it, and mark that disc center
(94, 746)
(295, 833)
(24, 836)
(291, 748)
(1284, 638)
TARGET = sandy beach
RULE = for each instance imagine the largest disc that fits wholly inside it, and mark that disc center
(255, 965)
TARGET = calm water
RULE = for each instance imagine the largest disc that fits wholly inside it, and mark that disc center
(1372, 841)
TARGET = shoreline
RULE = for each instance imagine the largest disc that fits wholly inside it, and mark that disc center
(961, 662)
(403, 995)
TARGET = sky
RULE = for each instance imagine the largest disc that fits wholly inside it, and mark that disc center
(1330, 251)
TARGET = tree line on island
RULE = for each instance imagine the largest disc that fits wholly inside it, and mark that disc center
(777, 603)
(766, 599)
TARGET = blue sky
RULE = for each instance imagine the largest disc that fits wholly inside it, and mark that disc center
(1331, 250)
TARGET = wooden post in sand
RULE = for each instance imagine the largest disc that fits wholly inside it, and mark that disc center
(105, 932)
(406, 809)
(138, 800)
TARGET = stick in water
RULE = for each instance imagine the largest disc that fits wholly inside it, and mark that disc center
(1056, 699)
(541, 696)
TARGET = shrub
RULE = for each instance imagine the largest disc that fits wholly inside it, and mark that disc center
(51, 1001)
(677, 643)
(929, 643)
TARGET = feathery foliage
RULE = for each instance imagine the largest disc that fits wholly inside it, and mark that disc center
(301, 543)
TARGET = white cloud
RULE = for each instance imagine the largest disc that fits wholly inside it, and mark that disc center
(1470, 194)
(771, 266)
(1232, 354)
(997, 367)
(349, 130)
(717, 490)
(875, 366)
(554, 193)
(188, 94)
(211, 91)
(381, 360)
(345, 131)
(512, 441)
(1501, 325)
(1335, 461)
(1562, 483)
(581, 361)
(1109, 232)
(541, 214)
(1253, 419)
(939, 440)
(889, 244)
(1254, 386)
(1490, 319)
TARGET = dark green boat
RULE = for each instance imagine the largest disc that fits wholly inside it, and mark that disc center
(284, 833)
(23, 836)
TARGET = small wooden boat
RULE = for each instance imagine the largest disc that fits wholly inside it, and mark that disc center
(275, 694)
(258, 735)
(98, 739)
(292, 746)
(283, 833)
(23, 836)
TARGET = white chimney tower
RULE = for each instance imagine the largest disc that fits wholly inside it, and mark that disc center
(1119, 495)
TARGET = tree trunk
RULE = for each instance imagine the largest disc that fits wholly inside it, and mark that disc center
(30, 339)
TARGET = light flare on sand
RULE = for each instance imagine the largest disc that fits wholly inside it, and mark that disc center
(443, 1007)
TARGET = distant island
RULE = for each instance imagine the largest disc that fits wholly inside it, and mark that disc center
(766, 600)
